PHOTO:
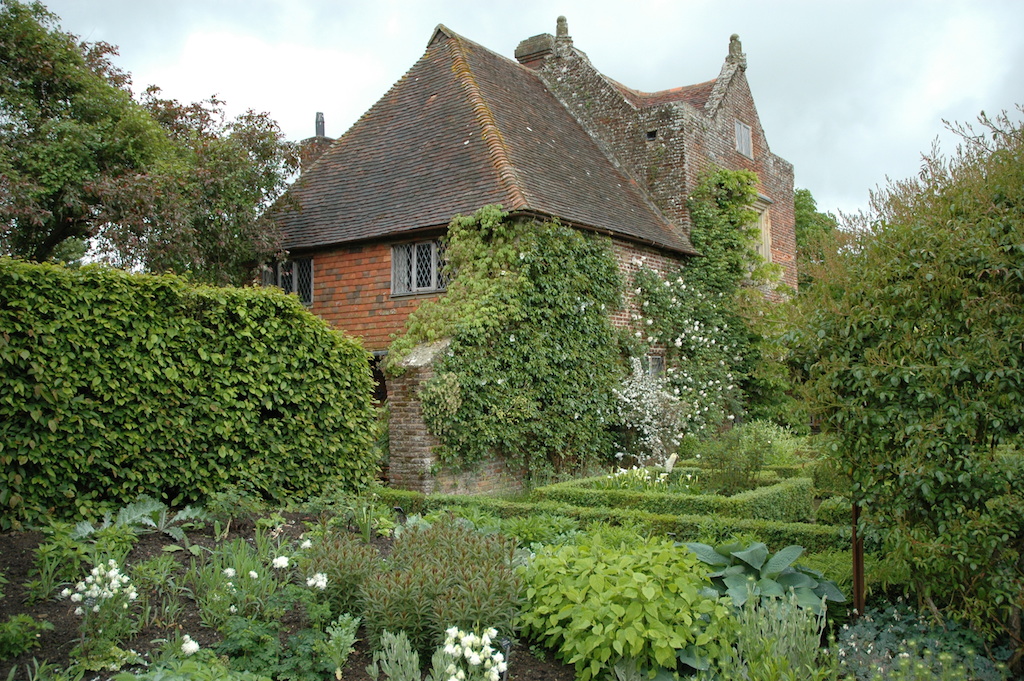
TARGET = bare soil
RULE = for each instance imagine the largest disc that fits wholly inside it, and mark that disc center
(17, 549)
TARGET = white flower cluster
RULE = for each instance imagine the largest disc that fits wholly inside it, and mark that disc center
(651, 411)
(484, 661)
(188, 646)
(319, 581)
(104, 583)
(638, 478)
(280, 562)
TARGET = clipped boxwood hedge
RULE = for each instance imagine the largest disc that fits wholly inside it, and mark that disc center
(706, 528)
(115, 384)
(835, 511)
(788, 501)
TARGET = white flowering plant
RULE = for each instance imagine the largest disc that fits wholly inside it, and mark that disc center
(235, 581)
(104, 600)
(705, 346)
(650, 413)
(640, 479)
(472, 656)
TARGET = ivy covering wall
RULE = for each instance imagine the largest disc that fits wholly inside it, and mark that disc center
(113, 384)
(536, 373)
(534, 360)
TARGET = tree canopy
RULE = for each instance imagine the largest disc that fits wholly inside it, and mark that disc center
(157, 184)
(814, 229)
(912, 341)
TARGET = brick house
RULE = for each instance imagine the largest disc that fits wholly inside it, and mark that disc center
(544, 135)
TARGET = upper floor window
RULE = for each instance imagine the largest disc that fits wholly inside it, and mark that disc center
(763, 245)
(418, 267)
(291, 276)
(744, 145)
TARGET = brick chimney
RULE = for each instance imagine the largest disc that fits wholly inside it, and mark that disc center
(313, 148)
(532, 52)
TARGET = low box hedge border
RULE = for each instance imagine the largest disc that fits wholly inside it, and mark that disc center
(712, 529)
(791, 500)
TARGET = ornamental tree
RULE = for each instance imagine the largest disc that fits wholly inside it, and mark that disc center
(70, 133)
(154, 184)
(911, 341)
(813, 229)
(203, 212)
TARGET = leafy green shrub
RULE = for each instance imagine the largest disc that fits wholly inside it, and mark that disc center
(597, 605)
(19, 634)
(897, 643)
(737, 456)
(834, 511)
(442, 576)
(829, 477)
(790, 500)
(345, 561)
(743, 572)
(115, 384)
(707, 528)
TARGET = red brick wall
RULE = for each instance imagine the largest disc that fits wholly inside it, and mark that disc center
(352, 291)
(412, 462)
(686, 141)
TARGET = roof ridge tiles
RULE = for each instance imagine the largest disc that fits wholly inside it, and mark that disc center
(490, 131)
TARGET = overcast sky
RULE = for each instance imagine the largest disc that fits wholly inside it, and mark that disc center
(849, 92)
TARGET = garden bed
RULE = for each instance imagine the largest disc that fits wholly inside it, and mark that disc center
(56, 644)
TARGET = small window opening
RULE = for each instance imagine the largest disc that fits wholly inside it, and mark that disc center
(652, 135)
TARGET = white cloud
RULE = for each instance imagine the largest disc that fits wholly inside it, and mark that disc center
(291, 81)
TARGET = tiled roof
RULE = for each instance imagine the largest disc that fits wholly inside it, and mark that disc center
(465, 128)
(695, 95)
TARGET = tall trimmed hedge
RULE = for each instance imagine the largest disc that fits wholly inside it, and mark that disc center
(114, 384)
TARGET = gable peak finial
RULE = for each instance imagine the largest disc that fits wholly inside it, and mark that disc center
(562, 28)
(736, 55)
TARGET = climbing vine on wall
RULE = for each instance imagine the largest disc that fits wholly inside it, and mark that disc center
(712, 317)
(533, 359)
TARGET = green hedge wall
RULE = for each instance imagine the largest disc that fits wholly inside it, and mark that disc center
(835, 511)
(788, 501)
(705, 528)
(114, 384)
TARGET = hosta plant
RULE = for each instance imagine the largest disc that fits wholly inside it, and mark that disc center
(742, 572)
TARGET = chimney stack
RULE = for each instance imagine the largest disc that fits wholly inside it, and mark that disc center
(313, 148)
